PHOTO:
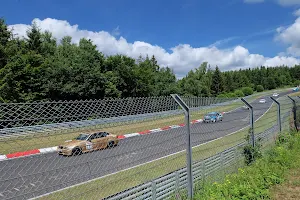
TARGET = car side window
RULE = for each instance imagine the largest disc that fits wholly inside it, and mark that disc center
(92, 137)
(101, 134)
(97, 135)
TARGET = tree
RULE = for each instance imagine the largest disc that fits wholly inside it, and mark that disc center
(40, 68)
(34, 41)
(270, 83)
(5, 35)
(217, 82)
(259, 88)
(247, 91)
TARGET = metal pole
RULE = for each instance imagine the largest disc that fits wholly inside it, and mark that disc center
(251, 121)
(188, 143)
(294, 111)
(278, 113)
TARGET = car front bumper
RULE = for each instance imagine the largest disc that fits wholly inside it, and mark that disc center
(65, 152)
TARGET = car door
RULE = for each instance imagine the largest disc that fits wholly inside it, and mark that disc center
(89, 143)
(97, 141)
(101, 140)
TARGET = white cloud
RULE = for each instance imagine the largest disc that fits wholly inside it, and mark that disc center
(254, 1)
(289, 2)
(297, 13)
(116, 31)
(290, 36)
(182, 57)
(280, 2)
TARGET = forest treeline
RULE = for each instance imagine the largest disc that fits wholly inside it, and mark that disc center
(39, 67)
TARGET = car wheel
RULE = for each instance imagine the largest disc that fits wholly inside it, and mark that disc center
(110, 144)
(76, 151)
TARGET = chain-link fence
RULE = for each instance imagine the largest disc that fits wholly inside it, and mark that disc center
(136, 148)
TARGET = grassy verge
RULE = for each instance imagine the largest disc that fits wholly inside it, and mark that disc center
(290, 189)
(255, 181)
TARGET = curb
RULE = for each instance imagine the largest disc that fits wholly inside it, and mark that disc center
(53, 149)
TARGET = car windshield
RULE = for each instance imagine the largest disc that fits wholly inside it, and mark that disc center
(211, 114)
(82, 137)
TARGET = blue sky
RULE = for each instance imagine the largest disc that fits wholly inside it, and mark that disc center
(168, 23)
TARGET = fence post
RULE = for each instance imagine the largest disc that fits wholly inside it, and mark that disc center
(153, 190)
(188, 143)
(251, 121)
(294, 111)
(278, 113)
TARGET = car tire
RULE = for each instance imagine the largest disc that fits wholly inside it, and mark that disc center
(76, 151)
(110, 144)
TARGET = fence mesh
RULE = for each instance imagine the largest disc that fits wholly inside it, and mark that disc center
(127, 148)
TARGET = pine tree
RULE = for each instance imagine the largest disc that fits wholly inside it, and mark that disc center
(217, 82)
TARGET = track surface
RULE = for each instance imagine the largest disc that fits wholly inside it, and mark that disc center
(28, 177)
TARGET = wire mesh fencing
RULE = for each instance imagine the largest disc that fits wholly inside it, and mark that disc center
(125, 148)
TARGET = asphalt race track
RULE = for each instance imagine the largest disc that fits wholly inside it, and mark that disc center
(28, 177)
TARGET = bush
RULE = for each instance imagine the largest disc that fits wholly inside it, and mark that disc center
(247, 91)
(296, 83)
(222, 95)
(239, 93)
(231, 95)
(259, 88)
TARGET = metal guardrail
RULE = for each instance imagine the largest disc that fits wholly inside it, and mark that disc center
(53, 127)
(46, 128)
(163, 187)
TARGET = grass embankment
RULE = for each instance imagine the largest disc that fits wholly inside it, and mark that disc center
(255, 181)
(55, 138)
(290, 189)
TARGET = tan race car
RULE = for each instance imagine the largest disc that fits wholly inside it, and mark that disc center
(88, 142)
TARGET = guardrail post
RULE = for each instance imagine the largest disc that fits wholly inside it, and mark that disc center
(278, 113)
(294, 111)
(153, 190)
(251, 121)
(188, 143)
(177, 181)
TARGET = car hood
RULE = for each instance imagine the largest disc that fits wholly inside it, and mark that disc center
(70, 143)
(207, 117)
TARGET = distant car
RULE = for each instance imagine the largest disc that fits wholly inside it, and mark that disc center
(262, 101)
(275, 95)
(213, 117)
(88, 142)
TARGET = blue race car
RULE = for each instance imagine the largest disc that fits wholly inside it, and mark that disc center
(213, 117)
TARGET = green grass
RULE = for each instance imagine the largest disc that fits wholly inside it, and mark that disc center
(255, 181)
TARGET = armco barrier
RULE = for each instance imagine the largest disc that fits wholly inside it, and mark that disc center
(46, 128)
